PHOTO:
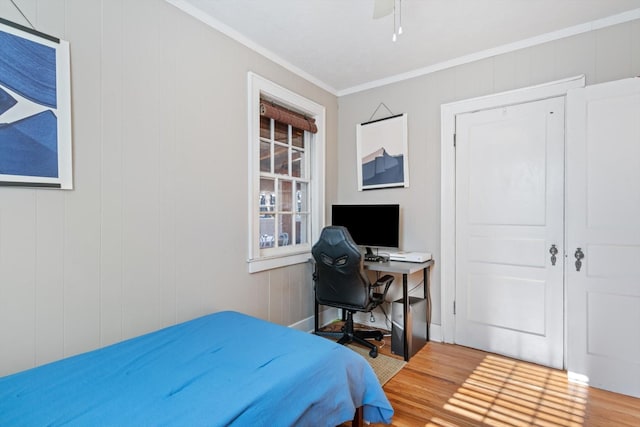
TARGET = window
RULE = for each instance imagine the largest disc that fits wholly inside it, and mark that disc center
(286, 183)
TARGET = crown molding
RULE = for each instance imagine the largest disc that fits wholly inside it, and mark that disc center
(510, 47)
(598, 24)
(198, 14)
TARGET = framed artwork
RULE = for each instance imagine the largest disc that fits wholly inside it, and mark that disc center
(382, 151)
(35, 109)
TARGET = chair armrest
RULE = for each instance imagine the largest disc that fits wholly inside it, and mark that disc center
(378, 297)
(383, 281)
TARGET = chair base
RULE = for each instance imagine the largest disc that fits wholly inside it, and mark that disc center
(357, 338)
(349, 335)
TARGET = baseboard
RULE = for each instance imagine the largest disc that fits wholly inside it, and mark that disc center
(577, 378)
(365, 319)
(308, 324)
(435, 333)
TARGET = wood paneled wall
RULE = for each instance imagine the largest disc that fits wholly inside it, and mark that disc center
(154, 231)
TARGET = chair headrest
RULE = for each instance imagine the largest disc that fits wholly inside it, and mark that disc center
(335, 247)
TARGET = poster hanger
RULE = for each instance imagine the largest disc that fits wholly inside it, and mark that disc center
(382, 104)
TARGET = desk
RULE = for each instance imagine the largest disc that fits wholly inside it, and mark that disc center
(406, 269)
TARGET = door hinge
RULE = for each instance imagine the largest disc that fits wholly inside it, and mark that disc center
(454, 308)
(454, 139)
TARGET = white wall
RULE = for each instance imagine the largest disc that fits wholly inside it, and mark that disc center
(608, 54)
(155, 230)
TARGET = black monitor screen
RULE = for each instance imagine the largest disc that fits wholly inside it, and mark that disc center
(370, 225)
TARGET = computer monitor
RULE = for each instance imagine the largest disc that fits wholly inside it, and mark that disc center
(370, 225)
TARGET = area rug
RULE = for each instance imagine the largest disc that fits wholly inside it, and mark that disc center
(385, 367)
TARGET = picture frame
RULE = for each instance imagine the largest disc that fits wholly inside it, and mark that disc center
(382, 153)
(35, 109)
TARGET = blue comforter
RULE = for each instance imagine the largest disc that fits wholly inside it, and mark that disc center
(222, 369)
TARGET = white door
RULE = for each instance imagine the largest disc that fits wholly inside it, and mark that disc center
(603, 220)
(509, 215)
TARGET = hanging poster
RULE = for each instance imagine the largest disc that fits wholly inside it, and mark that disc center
(382, 153)
(35, 109)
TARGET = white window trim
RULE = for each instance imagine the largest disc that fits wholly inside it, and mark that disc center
(258, 86)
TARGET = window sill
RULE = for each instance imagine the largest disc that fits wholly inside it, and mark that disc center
(263, 264)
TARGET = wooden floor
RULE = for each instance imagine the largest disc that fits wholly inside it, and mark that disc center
(450, 385)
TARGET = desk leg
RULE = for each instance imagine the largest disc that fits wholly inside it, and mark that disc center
(316, 320)
(405, 317)
(427, 296)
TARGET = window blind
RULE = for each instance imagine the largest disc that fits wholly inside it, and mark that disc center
(284, 115)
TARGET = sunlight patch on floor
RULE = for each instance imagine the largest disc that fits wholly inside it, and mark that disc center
(505, 392)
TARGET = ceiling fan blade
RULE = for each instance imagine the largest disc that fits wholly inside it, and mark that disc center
(382, 8)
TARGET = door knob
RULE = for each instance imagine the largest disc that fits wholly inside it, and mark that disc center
(579, 255)
(553, 251)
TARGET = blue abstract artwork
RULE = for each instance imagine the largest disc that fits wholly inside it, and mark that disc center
(35, 136)
(382, 153)
(382, 168)
(6, 101)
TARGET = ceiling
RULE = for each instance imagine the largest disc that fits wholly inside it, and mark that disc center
(340, 46)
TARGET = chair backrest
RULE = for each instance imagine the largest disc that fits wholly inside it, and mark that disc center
(340, 280)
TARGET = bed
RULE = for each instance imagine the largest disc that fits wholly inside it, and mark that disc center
(222, 369)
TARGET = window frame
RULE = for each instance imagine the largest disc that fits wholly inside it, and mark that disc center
(262, 259)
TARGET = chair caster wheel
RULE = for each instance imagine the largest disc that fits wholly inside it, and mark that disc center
(378, 337)
(373, 353)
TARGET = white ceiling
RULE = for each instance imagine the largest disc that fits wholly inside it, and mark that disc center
(338, 45)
